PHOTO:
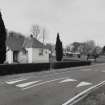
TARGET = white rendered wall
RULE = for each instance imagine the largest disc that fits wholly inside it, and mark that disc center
(9, 56)
(29, 55)
(36, 58)
(22, 57)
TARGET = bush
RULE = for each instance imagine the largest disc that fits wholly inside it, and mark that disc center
(71, 64)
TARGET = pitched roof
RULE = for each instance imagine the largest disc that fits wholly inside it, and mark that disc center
(16, 42)
(32, 42)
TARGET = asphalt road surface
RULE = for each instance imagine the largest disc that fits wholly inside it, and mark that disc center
(49, 88)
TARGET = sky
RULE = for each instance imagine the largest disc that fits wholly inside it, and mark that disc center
(75, 20)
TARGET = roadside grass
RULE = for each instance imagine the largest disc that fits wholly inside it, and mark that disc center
(97, 97)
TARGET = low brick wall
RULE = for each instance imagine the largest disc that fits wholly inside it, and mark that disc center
(24, 68)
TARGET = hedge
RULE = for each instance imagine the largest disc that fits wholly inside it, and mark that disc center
(70, 64)
(36, 67)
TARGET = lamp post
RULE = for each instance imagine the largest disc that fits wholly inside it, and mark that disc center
(51, 59)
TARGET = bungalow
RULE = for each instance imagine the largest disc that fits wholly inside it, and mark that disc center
(25, 50)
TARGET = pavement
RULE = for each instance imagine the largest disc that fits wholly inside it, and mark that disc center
(54, 87)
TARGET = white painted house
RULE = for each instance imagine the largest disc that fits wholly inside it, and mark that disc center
(25, 50)
(37, 52)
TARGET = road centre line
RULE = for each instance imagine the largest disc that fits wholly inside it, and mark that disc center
(42, 83)
(55, 73)
(68, 80)
(27, 84)
(81, 94)
(15, 81)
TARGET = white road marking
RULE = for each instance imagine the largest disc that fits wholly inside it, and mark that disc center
(75, 98)
(27, 84)
(15, 81)
(42, 83)
(68, 80)
(83, 84)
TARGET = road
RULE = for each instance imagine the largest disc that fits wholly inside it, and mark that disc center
(49, 87)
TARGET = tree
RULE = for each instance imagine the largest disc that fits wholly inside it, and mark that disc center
(58, 48)
(89, 47)
(35, 30)
(96, 52)
(15, 39)
(103, 50)
(50, 46)
(86, 48)
(2, 40)
(38, 32)
(75, 46)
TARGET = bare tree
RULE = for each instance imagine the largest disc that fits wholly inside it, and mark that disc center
(96, 52)
(39, 32)
(35, 30)
(75, 46)
(86, 48)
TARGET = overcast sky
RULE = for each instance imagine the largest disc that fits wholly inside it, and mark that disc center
(75, 20)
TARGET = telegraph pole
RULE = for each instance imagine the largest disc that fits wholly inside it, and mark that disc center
(43, 37)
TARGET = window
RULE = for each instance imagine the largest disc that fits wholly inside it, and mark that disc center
(15, 56)
(40, 52)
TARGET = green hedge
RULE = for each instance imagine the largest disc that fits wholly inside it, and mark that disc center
(24, 68)
(71, 64)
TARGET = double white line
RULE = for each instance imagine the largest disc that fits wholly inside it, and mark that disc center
(81, 95)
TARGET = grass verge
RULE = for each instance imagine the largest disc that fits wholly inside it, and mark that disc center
(97, 97)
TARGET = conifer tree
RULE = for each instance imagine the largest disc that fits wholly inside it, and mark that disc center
(2, 40)
(103, 50)
(59, 49)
